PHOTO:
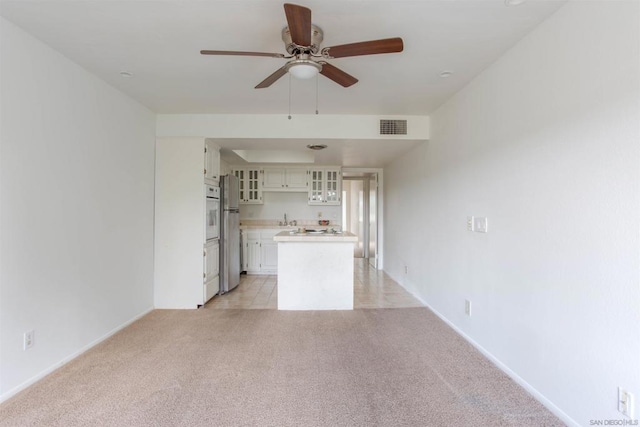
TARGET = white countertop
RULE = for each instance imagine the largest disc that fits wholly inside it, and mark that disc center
(268, 227)
(286, 236)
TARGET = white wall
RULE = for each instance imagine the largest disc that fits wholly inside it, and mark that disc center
(546, 144)
(279, 126)
(76, 187)
(179, 223)
(225, 168)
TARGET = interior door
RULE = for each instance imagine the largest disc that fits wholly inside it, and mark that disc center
(353, 212)
(360, 214)
(373, 220)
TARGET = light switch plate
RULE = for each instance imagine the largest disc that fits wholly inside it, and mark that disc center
(625, 402)
(469, 223)
(27, 340)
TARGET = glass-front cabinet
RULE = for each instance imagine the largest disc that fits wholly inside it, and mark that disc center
(250, 184)
(325, 186)
(316, 187)
(334, 180)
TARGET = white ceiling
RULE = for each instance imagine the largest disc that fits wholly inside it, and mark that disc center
(159, 42)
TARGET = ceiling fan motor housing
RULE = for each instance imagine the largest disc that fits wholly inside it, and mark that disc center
(316, 39)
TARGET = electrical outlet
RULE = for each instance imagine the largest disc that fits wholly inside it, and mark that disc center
(467, 307)
(406, 269)
(470, 223)
(28, 338)
(625, 402)
(319, 214)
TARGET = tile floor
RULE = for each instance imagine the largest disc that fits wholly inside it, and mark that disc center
(372, 289)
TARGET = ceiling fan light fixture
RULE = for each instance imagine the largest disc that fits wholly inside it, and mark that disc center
(303, 68)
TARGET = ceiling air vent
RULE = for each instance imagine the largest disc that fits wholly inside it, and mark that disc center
(393, 127)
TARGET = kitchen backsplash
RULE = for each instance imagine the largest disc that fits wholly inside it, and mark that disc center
(294, 205)
(267, 223)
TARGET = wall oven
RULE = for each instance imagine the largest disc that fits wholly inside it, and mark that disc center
(212, 212)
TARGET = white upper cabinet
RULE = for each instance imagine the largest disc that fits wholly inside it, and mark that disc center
(285, 179)
(273, 178)
(211, 161)
(325, 186)
(297, 179)
(250, 183)
(334, 186)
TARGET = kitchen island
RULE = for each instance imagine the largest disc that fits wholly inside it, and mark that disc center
(315, 271)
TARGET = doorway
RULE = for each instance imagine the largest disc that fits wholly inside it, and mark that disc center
(359, 213)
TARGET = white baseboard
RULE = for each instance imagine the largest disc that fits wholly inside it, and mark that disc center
(69, 358)
(504, 368)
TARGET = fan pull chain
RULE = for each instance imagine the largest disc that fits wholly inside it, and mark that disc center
(289, 96)
(316, 93)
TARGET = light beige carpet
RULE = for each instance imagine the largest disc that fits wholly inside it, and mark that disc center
(379, 367)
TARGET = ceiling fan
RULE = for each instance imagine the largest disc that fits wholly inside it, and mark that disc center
(302, 40)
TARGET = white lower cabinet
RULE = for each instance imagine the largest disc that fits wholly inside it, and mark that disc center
(260, 252)
(268, 252)
(211, 269)
(252, 258)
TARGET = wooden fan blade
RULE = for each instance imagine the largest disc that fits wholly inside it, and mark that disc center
(364, 48)
(238, 53)
(337, 75)
(299, 20)
(272, 78)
